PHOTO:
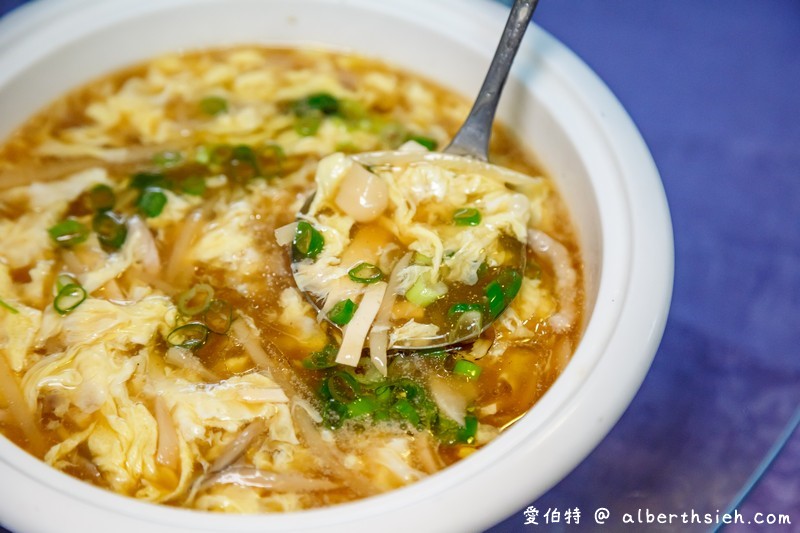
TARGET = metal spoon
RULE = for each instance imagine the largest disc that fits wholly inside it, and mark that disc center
(469, 147)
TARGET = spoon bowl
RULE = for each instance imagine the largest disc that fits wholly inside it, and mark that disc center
(467, 154)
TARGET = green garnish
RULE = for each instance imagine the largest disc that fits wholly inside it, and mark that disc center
(466, 216)
(361, 406)
(365, 273)
(427, 142)
(342, 387)
(406, 411)
(457, 309)
(8, 307)
(341, 313)
(496, 298)
(308, 124)
(152, 201)
(196, 300)
(423, 292)
(190, 336)
(194, 185)
(325, 358)
(467, 369)
(307, 242)
(111, 229)
(321, 102)
(511, 281)
(467, 433)
(168, 159)
(421, 259)
(64, 279)
(218, 316)
(101, 197)
(213, 105)
(68, 298)
(68, 233)
(144, 180)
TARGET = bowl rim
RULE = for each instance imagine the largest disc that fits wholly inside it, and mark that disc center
(621, 297)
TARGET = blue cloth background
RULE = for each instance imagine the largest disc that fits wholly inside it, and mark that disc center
(714, 87)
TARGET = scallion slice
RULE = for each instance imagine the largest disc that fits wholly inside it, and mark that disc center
(218, 316)
(427, 142)
(343, 387)
(308, 124)
(322, 102)
(152, 201)
(467, 369)
(406, 411)
(111, 229)
(194, 185)
(365, 273)
(496, 298)
(196, 300)
(325, 358)
(467, 433)
(361, 406)
(8, 307)
(190, 336)
(308, 242)
(457, 309)
(68, 298)
(68, 233)
(213, 105)
(64, 279)
(168, 159)
(341, 313)
(466, 216)
(511, 281)
(101, 197)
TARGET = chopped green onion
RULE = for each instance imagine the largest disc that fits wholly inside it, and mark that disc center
(69, 232)
(457, 309)
(467, 369)
(325, 358)
(218, 316)
(190, 336)
(64, 279)
(342, 387)
(307, 242)
(468, 433)
(496, 297)
(468, 325)
(101, 197)
(483, 269)
(68, 298)
(152, 201)
(168, 159)
(321, 102)
(365, 273)
(341, 313)
(144, 180)
(213, 105)
(427, 142)
(466, 216)
(194, 185)
(423, 292)
(308, 124)
(196, 300)
(8, 307)
(361, 406)
(111, 229)
(420, 259)
(406, 411)
(511, 281)
(202, 155)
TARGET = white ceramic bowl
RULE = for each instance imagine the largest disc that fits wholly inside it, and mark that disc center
(561, 110)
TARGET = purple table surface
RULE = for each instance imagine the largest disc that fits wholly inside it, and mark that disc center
(714, 87)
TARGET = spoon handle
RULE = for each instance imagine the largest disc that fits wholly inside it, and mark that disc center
(472, 139)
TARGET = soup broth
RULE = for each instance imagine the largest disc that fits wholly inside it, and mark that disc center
(152, 338)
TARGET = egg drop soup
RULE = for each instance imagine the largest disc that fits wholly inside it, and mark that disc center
(153, 340)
